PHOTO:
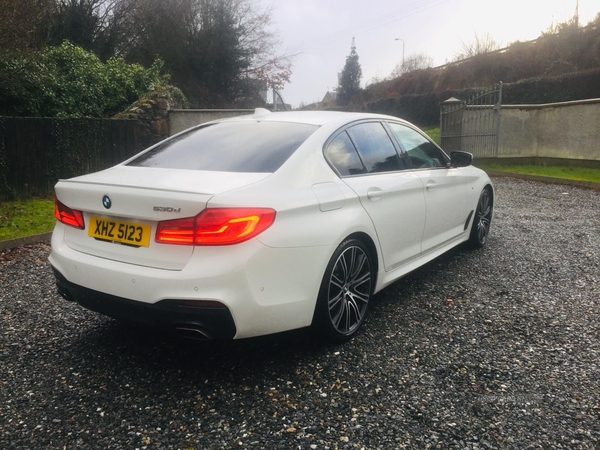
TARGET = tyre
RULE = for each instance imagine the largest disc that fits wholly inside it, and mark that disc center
(345, 292)
(482, 220)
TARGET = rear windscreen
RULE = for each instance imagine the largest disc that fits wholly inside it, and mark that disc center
(229, 147)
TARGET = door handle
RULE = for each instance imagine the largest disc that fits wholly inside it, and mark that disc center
(374, 193)
(431, 185)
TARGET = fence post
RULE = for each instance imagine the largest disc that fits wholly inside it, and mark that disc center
(498, 110)
(451, 114)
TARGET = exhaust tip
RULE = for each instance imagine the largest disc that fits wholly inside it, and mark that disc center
(192, 332)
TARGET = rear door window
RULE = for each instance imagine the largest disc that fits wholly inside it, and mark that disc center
(342, 155)
(260, 147)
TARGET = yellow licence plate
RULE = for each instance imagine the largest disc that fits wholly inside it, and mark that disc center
(119, 231)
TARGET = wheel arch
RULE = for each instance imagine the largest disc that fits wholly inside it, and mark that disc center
(370, 244)
(322, 321)
(479, 188)
(490, 187)
(475, 241)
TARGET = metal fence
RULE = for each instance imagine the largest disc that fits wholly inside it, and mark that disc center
(36, 152)
(473, 125)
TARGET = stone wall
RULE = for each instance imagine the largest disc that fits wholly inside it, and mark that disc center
(554, 130)
(152, 112)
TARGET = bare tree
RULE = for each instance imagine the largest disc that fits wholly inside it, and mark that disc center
(100, 26)
(264, 64)
(479, 46)
(219, 52)
(415, 61)
(24, 23)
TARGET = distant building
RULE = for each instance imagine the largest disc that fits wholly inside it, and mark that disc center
(280, 106)
(329, 98)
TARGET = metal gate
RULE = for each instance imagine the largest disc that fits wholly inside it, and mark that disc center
(472, 126)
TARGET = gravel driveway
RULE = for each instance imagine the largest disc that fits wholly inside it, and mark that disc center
(497, 348)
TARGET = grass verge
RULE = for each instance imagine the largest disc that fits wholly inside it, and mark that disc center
(433, 133)
(571, 173)
(26, 217)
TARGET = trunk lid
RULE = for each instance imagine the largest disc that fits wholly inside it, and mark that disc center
(139, 198)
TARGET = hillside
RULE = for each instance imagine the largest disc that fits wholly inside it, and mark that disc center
(561, 65)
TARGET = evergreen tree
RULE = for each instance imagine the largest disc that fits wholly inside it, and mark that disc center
(350, 78)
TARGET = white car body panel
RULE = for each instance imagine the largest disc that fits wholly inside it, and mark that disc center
(446, 199)
(266, 289)
(395, 202)
(170, 180)
(386, 278)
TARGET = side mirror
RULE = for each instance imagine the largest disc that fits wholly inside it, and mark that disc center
(461, 159)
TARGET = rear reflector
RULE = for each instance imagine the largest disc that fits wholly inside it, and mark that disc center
(68, 216)
(216, 226)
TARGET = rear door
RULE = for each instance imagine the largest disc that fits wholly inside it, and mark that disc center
(367, 161)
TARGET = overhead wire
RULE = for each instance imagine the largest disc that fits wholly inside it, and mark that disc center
(368, 25)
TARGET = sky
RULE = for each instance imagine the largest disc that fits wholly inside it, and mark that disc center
(320, 33)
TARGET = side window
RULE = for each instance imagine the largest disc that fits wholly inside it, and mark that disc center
(342, 155)
(375, 147)
(421, 152)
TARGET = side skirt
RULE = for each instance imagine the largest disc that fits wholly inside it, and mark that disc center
(386, 278)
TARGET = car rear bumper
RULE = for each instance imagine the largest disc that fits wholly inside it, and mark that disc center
(265, 290)
(202, 322)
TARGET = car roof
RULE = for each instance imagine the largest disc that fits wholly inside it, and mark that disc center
(310, 117)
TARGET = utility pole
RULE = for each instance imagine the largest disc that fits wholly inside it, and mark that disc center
(398, 39)
(577, 14)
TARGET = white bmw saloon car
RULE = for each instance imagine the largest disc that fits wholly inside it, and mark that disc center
(265, 223)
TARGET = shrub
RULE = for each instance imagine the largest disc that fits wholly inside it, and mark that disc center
(68, 81)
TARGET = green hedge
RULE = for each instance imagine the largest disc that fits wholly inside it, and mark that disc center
(68, 81)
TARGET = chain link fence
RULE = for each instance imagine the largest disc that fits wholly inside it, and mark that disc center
(36, 152)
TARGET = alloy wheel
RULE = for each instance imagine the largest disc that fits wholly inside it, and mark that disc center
(349, 290)
(484, 216)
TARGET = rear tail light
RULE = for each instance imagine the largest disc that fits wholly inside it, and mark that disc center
(68, 216)
(216, 226)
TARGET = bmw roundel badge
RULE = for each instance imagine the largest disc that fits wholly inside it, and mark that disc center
(106, 202)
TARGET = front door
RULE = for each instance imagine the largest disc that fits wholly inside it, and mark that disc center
(444, 187)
